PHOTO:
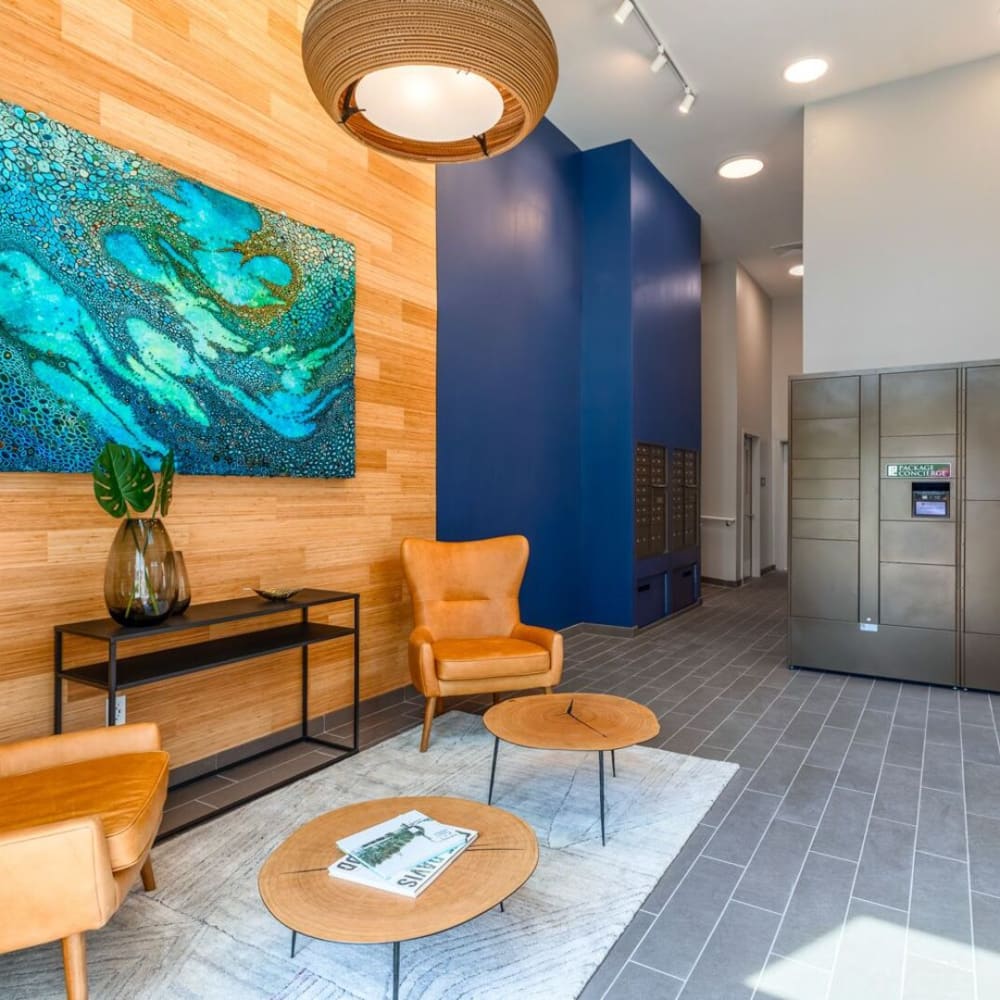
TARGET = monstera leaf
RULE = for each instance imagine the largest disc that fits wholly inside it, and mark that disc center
(122, 479)
(165, 491)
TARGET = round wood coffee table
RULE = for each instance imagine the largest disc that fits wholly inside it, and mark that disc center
(296, 887)
(581, 721)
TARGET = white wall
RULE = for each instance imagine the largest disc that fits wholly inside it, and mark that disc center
(719, 462)
(735, 399)
(902, 222)
(753, 337)
(786, 359)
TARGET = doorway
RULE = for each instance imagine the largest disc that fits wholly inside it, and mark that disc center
(750, 522)
(781, 513)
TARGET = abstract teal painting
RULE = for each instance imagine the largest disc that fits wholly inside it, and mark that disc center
(143, 307)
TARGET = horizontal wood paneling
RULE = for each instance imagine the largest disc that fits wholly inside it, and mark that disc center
(217, 91)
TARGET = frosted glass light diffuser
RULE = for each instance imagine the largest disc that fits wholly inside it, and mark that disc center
(806, 70)
(797, 270)
(740, 167)
(429, 103)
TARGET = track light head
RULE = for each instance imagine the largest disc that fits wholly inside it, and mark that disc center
(687, 102)
(625, 8)
(659, 60)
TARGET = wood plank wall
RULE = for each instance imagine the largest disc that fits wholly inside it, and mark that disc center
(216, 90)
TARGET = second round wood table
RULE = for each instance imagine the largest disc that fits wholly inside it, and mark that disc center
(297, 889)
(576, 721)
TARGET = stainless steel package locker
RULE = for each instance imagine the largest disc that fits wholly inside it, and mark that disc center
(894, 523)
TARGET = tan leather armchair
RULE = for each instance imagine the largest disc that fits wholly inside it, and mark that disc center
(469, 638)
(78, 815)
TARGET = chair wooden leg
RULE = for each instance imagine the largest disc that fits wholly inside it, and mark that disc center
(496, 697)
(428, 721)
(148, 878)
(74, 949)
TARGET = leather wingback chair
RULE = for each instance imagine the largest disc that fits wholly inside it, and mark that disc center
(78, 815)
(469, 638)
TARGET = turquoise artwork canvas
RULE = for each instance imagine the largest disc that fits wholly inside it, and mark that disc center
(142, 306)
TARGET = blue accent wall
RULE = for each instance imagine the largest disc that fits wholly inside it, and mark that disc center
(666, 309)
(568, 329)
(606, 421)
(508, 413)
(666, 328)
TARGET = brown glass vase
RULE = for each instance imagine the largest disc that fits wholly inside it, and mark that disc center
(140, 581)
(183, 601)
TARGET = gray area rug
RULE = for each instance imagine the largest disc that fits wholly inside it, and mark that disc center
(205, 932)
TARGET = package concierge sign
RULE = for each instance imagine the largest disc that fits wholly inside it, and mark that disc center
(919, 470)
(145, 307)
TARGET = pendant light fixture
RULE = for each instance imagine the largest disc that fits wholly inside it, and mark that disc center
(435, 80)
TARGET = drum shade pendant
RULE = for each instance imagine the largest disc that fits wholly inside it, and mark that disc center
(435, 80)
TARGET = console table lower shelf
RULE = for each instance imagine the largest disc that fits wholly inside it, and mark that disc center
(120, 672)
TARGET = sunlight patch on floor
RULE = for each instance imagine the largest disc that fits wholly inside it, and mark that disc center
(871, 963)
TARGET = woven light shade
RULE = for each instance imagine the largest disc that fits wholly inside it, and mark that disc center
(507, 42)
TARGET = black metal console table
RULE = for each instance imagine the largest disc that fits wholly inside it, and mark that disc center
(120, 672)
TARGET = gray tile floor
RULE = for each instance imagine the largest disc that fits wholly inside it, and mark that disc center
(855, 855)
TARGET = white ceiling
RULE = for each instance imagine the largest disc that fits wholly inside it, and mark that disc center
(734, 52)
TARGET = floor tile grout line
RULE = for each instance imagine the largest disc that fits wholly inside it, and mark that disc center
(659, 972)
(812, 840)
(883, 906)
(913, 858)
(905, 767)
(837, 857)
(757, 906)
(711, 857)
(861, 852)
(943, 857)
(889, 819)
(968, 845)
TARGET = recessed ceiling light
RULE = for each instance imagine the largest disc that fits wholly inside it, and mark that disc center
(797, 270)
(806, 70)
(739, 167)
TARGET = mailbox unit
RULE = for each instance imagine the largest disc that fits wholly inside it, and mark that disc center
(894, 524)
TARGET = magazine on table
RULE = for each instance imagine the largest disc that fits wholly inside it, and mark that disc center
(398, 845)
(411, 883)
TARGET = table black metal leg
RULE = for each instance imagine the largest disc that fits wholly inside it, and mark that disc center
(614, 770)
(57, 715)
(395, 970)
(501, 906)
(357, 673)
(600, 771)
(294, 936)
(112, 682)
(493, 769)
(305, 678)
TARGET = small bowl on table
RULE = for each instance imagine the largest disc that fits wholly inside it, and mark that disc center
(276, 593)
